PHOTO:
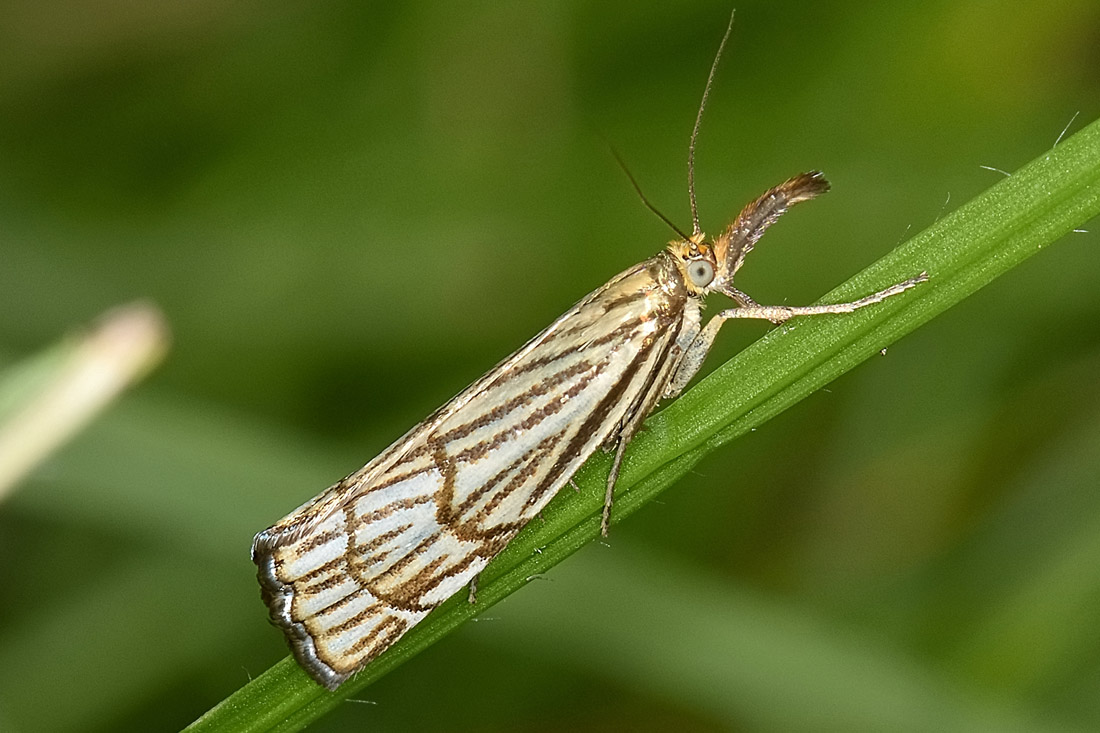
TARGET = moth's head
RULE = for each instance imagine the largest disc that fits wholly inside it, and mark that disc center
(696, 258)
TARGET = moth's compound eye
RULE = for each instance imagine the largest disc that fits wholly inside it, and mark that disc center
(701, 273)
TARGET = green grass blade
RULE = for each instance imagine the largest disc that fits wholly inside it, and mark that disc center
(962, 252)
(842, 678)
(48, 398)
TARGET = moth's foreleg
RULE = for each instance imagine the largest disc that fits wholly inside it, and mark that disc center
(780, 313)
(696, 352)
(742, 299)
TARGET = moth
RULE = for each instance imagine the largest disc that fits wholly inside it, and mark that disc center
(349, 572)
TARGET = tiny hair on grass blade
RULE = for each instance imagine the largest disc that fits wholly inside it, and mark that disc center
(349, 572)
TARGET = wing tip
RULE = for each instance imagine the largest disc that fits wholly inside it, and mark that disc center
(278, 596)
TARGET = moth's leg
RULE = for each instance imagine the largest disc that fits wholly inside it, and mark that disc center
(742, 299)
(629, 429)
(626, 433)
(781, 313)
(693, 357)
(609, 497)
(748, 308)
(639, 411)
(473, 589)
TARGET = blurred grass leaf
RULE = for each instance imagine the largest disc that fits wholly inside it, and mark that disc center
(744, 653)
(48, 398)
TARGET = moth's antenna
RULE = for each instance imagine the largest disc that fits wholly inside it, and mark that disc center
(695, 131)
(638, 190)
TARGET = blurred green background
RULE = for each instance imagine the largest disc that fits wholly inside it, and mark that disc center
(348, 211)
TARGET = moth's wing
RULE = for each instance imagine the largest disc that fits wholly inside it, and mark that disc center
(348, 573)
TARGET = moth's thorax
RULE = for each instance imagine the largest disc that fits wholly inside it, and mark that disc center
(664, 277)
(655, 289)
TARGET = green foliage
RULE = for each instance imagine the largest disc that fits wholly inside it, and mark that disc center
(348, 212)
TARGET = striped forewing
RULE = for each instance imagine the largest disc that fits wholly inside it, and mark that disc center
(349, 572)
